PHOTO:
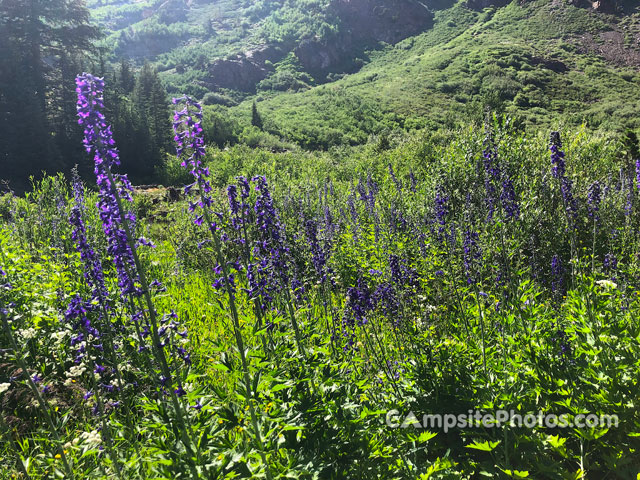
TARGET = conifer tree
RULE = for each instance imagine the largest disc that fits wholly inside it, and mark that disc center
(256, 119)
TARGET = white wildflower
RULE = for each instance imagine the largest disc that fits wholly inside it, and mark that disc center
(4, 387)
(75, 371)
(607, 284)
(28, 333)
(59, 337)
(92, 437)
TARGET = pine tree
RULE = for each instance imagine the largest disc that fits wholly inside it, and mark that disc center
(256, 119)
(41, 42)
(127, 79)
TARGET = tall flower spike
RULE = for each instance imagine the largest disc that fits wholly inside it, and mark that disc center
(92, 266)
(189, 136)
(557, 156)
(98, 141)
(557, 277)
(593, 199)
(558, 170)
(472, 256)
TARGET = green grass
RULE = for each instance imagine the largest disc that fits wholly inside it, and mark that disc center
(466, 62)
(439, 344)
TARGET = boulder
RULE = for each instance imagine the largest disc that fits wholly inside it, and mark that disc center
(240, 73)
(244, 71)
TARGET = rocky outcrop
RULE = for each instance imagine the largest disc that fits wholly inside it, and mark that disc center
(239, 73)
(362, 24)
(602, 6)
(319, 56)
(374, 21)
(244, 71)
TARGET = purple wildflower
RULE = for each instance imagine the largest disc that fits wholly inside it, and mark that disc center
(557, 277)
(472, 256)
(98, 140)
(93, 273)
(557, 156)
(593, 199)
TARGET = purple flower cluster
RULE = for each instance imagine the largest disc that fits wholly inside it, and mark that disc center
(318, 254)
(558, 166)
(360, 302)
(497, 179)
(92, 266)
(441, 210)
(557, 277)
(270, 244)
(240, 209)
(558, 170)
(189, 137)
(594, 198)
(610, 265)
(98, 141)
(396, 180)
(561, 340)
(472, 256)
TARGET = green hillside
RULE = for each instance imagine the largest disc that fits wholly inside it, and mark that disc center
(541, 61)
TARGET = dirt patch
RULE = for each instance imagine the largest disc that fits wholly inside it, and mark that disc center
(616, 47)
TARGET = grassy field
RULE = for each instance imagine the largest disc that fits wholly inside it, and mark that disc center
(446, 273)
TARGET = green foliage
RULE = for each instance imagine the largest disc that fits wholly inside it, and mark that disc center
(448, 347)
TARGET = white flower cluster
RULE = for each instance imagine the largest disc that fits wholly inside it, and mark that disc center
(4, 387)
(73, 373)
(59, 337)
(28, 333)
(607, 284)
(92, 438)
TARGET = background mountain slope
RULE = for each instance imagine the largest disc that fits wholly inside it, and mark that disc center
(326, 72)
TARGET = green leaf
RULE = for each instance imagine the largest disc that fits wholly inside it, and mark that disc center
(426, 436)
(516, 473)
(484, 446)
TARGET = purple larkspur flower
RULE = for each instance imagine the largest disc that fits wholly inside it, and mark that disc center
(509, 199)
(594, 198)
(360, 303)
(558, 170)
(472, 256)
(395, 179)
(441, 209)
(557, 277)
(189, 137)
(413, 183)
(492, 174)
(92, 266)
(98, 141)
(557, 156)
(318, 256)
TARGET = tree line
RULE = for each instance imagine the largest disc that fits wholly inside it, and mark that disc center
(44, 44)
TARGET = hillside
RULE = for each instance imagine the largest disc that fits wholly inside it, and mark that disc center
(332, 71)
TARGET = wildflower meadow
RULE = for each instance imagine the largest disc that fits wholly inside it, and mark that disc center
(289, 312)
